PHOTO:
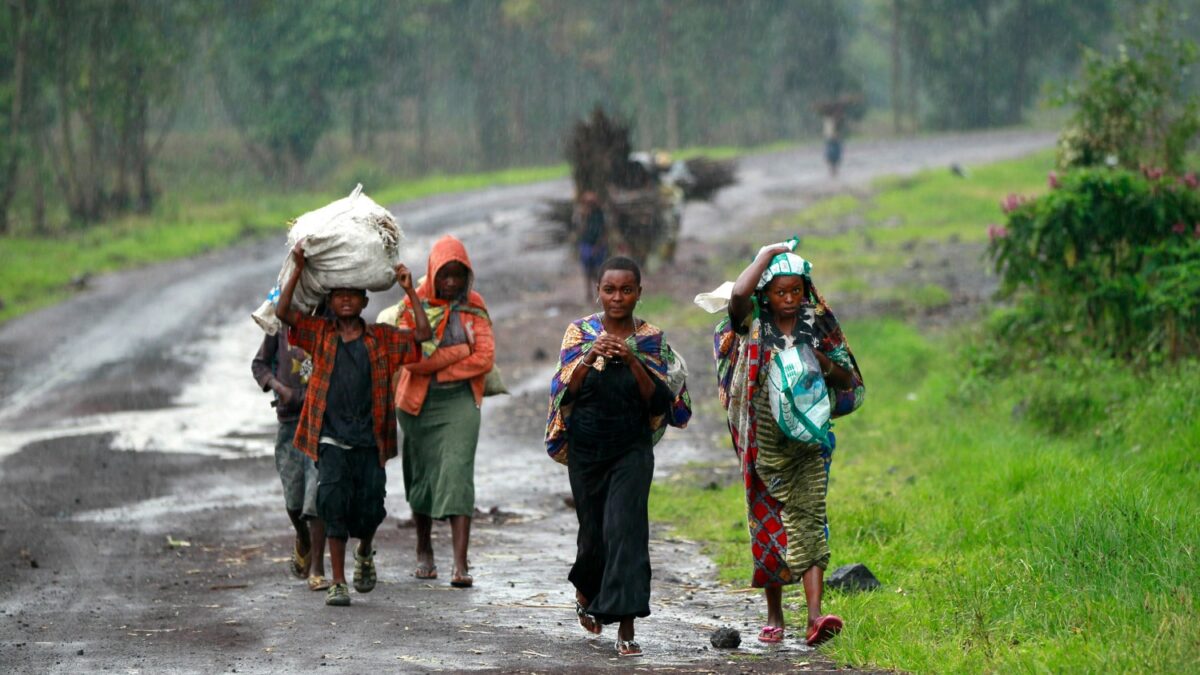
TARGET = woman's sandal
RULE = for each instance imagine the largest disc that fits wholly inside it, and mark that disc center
(299, 564)
(317, 582)
(770, 635)
(423, 572)
(628, 648)
(824, 628)
(589, 622)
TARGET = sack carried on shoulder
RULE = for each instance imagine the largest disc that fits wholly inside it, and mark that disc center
(799, 397)
(493, 384)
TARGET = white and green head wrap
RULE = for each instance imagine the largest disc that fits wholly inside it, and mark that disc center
(785, 265)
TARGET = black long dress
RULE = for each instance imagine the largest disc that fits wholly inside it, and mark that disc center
(610, 465)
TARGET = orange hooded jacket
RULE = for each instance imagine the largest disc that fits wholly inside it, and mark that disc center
(447, 364)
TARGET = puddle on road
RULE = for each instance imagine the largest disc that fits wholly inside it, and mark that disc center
(219, 410)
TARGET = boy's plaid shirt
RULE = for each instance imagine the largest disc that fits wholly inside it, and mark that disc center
(388, 348)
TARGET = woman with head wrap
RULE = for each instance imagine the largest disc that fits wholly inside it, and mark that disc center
(437, 405)
(774, 307)
(617, 387)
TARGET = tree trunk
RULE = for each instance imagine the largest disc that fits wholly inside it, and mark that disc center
(897, 66)
(424, 76)
(664, 72)
(8, 173)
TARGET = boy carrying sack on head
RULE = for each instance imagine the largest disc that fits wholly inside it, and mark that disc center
(346, 425)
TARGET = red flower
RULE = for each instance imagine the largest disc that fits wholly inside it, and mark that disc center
(1179, 228)
(1011, 202)
(1152, 173)
(1196, 234)
(1000, 232)
(1052, 179)
(1190, 180)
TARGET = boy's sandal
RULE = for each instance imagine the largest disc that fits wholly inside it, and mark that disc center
(338, 596)
(364, 572)
(770, 634)
(318, 583)
(628, 648)
(299, 562)
(589, 622)
(423, 572)
(461, 580)
(824, 628)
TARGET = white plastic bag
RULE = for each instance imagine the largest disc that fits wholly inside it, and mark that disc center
(350, 243)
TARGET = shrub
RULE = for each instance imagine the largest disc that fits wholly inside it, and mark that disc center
(1110, 256)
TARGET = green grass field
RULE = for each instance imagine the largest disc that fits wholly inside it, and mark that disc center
(1043, 518)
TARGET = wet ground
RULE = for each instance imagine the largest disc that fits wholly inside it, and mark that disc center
(143, 529)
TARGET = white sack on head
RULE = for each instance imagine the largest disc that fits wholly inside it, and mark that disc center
(350, 243)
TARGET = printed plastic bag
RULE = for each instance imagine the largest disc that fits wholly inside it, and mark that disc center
(799, 396)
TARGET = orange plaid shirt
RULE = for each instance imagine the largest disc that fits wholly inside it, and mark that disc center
(388, 348)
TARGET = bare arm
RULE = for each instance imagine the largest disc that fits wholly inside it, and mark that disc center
(741, 302)
(284, 309)
(581, 371)
(836, 376)
(421, 329)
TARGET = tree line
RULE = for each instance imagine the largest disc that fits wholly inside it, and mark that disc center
(90, 89)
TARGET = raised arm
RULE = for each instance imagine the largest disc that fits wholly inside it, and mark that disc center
(283, 309)
(421, 330)
(741, 302)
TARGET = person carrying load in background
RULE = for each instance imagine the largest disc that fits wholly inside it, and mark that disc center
(591, 229)
(346, 425)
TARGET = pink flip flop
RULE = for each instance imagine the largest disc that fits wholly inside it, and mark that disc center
(824, 628)
(770, 635)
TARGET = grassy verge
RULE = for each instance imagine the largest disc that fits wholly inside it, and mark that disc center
(1042, 519)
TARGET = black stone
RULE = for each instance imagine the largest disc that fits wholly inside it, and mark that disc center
(853, 577)
(726, 638)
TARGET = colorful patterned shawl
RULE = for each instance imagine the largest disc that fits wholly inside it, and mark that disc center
(740, 359)
(651, 348)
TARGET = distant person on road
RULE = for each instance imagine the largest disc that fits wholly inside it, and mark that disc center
(284, 369)
(617, 386)
(832, 129)
(346, 425)
(775, 308)
(438, 405)
(592, 239)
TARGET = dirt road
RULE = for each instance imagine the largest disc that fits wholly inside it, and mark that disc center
(128, 420)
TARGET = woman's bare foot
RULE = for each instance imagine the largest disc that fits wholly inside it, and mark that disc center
(589, 622)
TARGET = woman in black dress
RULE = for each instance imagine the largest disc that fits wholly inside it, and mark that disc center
(618, 385)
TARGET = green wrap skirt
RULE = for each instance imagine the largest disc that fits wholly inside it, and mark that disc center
(796, 474)
(439, 452)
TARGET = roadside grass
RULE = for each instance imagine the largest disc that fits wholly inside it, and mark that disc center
(1004, 541)
(1041, 518)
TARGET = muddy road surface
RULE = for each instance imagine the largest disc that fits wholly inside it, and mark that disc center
(143, 527)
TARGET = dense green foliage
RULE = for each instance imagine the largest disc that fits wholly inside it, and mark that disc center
(108, 106)
(1138, 107)
(979, 63)
(1109, 257)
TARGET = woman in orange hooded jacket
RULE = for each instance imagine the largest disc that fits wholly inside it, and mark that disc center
(437, 405)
